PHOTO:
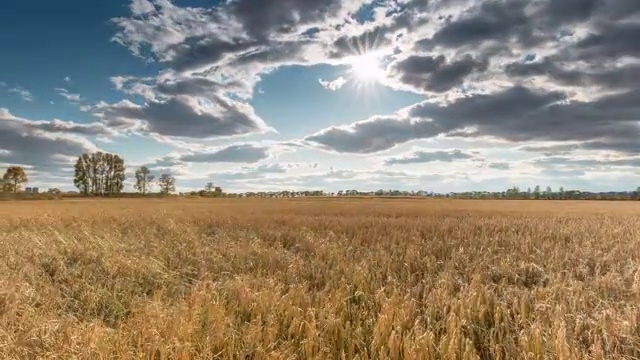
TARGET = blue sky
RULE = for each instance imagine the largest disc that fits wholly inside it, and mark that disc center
(326, 94)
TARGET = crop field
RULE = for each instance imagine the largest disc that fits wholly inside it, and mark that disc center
(319, 279)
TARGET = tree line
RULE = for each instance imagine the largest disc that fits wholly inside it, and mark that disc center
(99, 174)
(103, 174)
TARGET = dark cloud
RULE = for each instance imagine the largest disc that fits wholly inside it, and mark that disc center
(435, 73)
(589, 162)
(197, 86)
(489, 21)
(69, 127)
(242, 153)
(186, 117)
(30, 143)
(373, 135)
(617, 76)
(498, 111)
(521, 114)
(429, 156)
(551, 150)
(371, 39)
(195, 38)
(199, 53)
(560, 12)
(611, 41)
(515, 114)
(266, 18)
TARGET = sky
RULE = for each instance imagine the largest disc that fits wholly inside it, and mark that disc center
(435, 95)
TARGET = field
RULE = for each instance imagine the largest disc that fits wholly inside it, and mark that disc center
(319, 279)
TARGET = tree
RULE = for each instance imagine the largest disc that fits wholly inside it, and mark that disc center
(14, 177)
(536, 192)
(208, 188)
(167, 184)
(548, 193)
(99, 174)
(144, 180)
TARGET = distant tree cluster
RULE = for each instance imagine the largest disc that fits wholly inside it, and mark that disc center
(99, 174)
(103, 174)
(510, 194)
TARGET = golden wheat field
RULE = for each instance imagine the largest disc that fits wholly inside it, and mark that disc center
(319, 279)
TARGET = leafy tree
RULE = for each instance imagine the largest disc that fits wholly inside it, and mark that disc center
(167, 184)
(548, 194)
(536, 192)
(99, 174)
(144, 179)
(54, 191)
(14, 177)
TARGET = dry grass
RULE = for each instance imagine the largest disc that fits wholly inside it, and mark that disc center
(319, 279)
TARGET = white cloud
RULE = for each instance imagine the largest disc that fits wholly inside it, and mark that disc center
(334, 84)
(23, 93)
(73, 98)
(141, 7)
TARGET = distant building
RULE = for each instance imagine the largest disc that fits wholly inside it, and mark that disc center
(32, 190)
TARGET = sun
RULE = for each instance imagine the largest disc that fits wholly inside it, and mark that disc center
(366, 68)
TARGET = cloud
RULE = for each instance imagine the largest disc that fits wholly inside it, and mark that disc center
(44, 145)
(56, 125)
(373, 135)
(67, 79)
(334, 84)
(184, 116)
(522, 114)
(561, 71)
(335, 180)
(551, 149)
(22, 92)
(73, 98)
(422, 156)
(240, 153)
(616, 76)
(436, 74)
(252, 173)
(592, 162)
(199, 86)
(499, 166)
(612, 41)
(515, 114)
(141, 7)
